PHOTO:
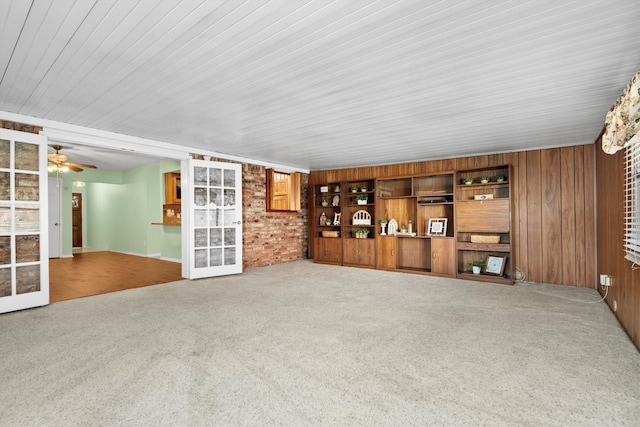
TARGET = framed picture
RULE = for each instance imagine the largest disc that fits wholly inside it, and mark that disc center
(437, 227)
(495, 265)
(336, 219)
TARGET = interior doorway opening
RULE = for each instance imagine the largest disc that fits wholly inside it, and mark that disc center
(108, 240)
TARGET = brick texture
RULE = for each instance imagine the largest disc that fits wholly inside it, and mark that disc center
(271, 237)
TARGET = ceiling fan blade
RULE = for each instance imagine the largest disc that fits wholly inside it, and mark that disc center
(73, 167)
(82, 165)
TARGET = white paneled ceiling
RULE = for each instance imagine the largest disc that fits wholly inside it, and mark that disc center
(323, 84)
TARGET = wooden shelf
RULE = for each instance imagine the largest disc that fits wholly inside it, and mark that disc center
(485, 278)
(486, 216)
(488, 247)
(165, 223)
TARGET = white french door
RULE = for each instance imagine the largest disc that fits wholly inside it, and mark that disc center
(24, 260)
(211, 218)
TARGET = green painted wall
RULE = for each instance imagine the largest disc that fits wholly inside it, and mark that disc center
(120, 208)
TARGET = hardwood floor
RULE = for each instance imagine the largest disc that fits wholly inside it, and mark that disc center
(93, 273)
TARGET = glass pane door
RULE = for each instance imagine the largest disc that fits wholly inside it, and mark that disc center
(212, 230)
(24, 272)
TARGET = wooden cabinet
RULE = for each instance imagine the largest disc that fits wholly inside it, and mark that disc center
(442, 250)
(483, 221)
(413, 203)
(343, 224)
(325, 224)
(328, 250)
(386, 253)
(359, 252)
(438, 218)
(172, 188)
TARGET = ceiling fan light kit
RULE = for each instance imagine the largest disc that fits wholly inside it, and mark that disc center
(58, 162)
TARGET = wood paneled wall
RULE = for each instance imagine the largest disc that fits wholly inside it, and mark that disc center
(624, 293)
(554, 199)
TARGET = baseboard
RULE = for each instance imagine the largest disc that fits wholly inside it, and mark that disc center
(157, 255)
(136, 254)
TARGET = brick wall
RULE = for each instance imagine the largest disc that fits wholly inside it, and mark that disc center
(271, 237)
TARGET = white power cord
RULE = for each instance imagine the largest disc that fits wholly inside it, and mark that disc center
(606, 292)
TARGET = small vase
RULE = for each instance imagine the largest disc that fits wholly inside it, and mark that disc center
(476, 269)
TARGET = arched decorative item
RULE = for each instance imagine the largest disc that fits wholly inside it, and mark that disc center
(362, 217)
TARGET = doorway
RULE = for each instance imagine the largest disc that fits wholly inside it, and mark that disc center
(76, 218)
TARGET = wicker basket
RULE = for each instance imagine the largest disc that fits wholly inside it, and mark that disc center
(484, 238)
(330, 234)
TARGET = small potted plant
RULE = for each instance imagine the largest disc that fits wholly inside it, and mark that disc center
(363, 188)
(361, 233)
(484, 179)
(499, 178)
(468, 180)
(362, 199)
(476, 266)
(383, 224)
(353, 189)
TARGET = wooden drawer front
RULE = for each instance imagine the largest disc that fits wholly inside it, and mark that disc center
(483, 216)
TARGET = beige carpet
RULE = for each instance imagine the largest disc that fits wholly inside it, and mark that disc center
(303, 344)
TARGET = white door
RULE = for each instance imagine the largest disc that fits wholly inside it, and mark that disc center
(55, 217)
(211, 218)
(24, 239)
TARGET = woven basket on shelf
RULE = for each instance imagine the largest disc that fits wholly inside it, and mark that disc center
(330, 234)
(483, 238)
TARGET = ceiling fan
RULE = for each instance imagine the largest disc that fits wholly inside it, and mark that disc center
(58, 162)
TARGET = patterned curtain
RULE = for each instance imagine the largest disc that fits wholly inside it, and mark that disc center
(623, 121)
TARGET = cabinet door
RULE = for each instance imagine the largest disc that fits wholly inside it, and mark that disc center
(386, 259)
(328, 250)
(483, 216)
(443, 256)
(359, 252)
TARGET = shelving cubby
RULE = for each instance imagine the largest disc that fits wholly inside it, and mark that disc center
(415, 200)
(359, 251)
(326, 204)
(483, 212)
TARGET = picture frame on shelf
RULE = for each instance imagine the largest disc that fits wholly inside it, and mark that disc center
(495, 265)
(437, 227)
(336, 218)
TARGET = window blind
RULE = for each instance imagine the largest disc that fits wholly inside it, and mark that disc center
(632, 204)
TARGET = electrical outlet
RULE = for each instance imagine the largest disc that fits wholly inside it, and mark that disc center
(607, 281)
(603, 277)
